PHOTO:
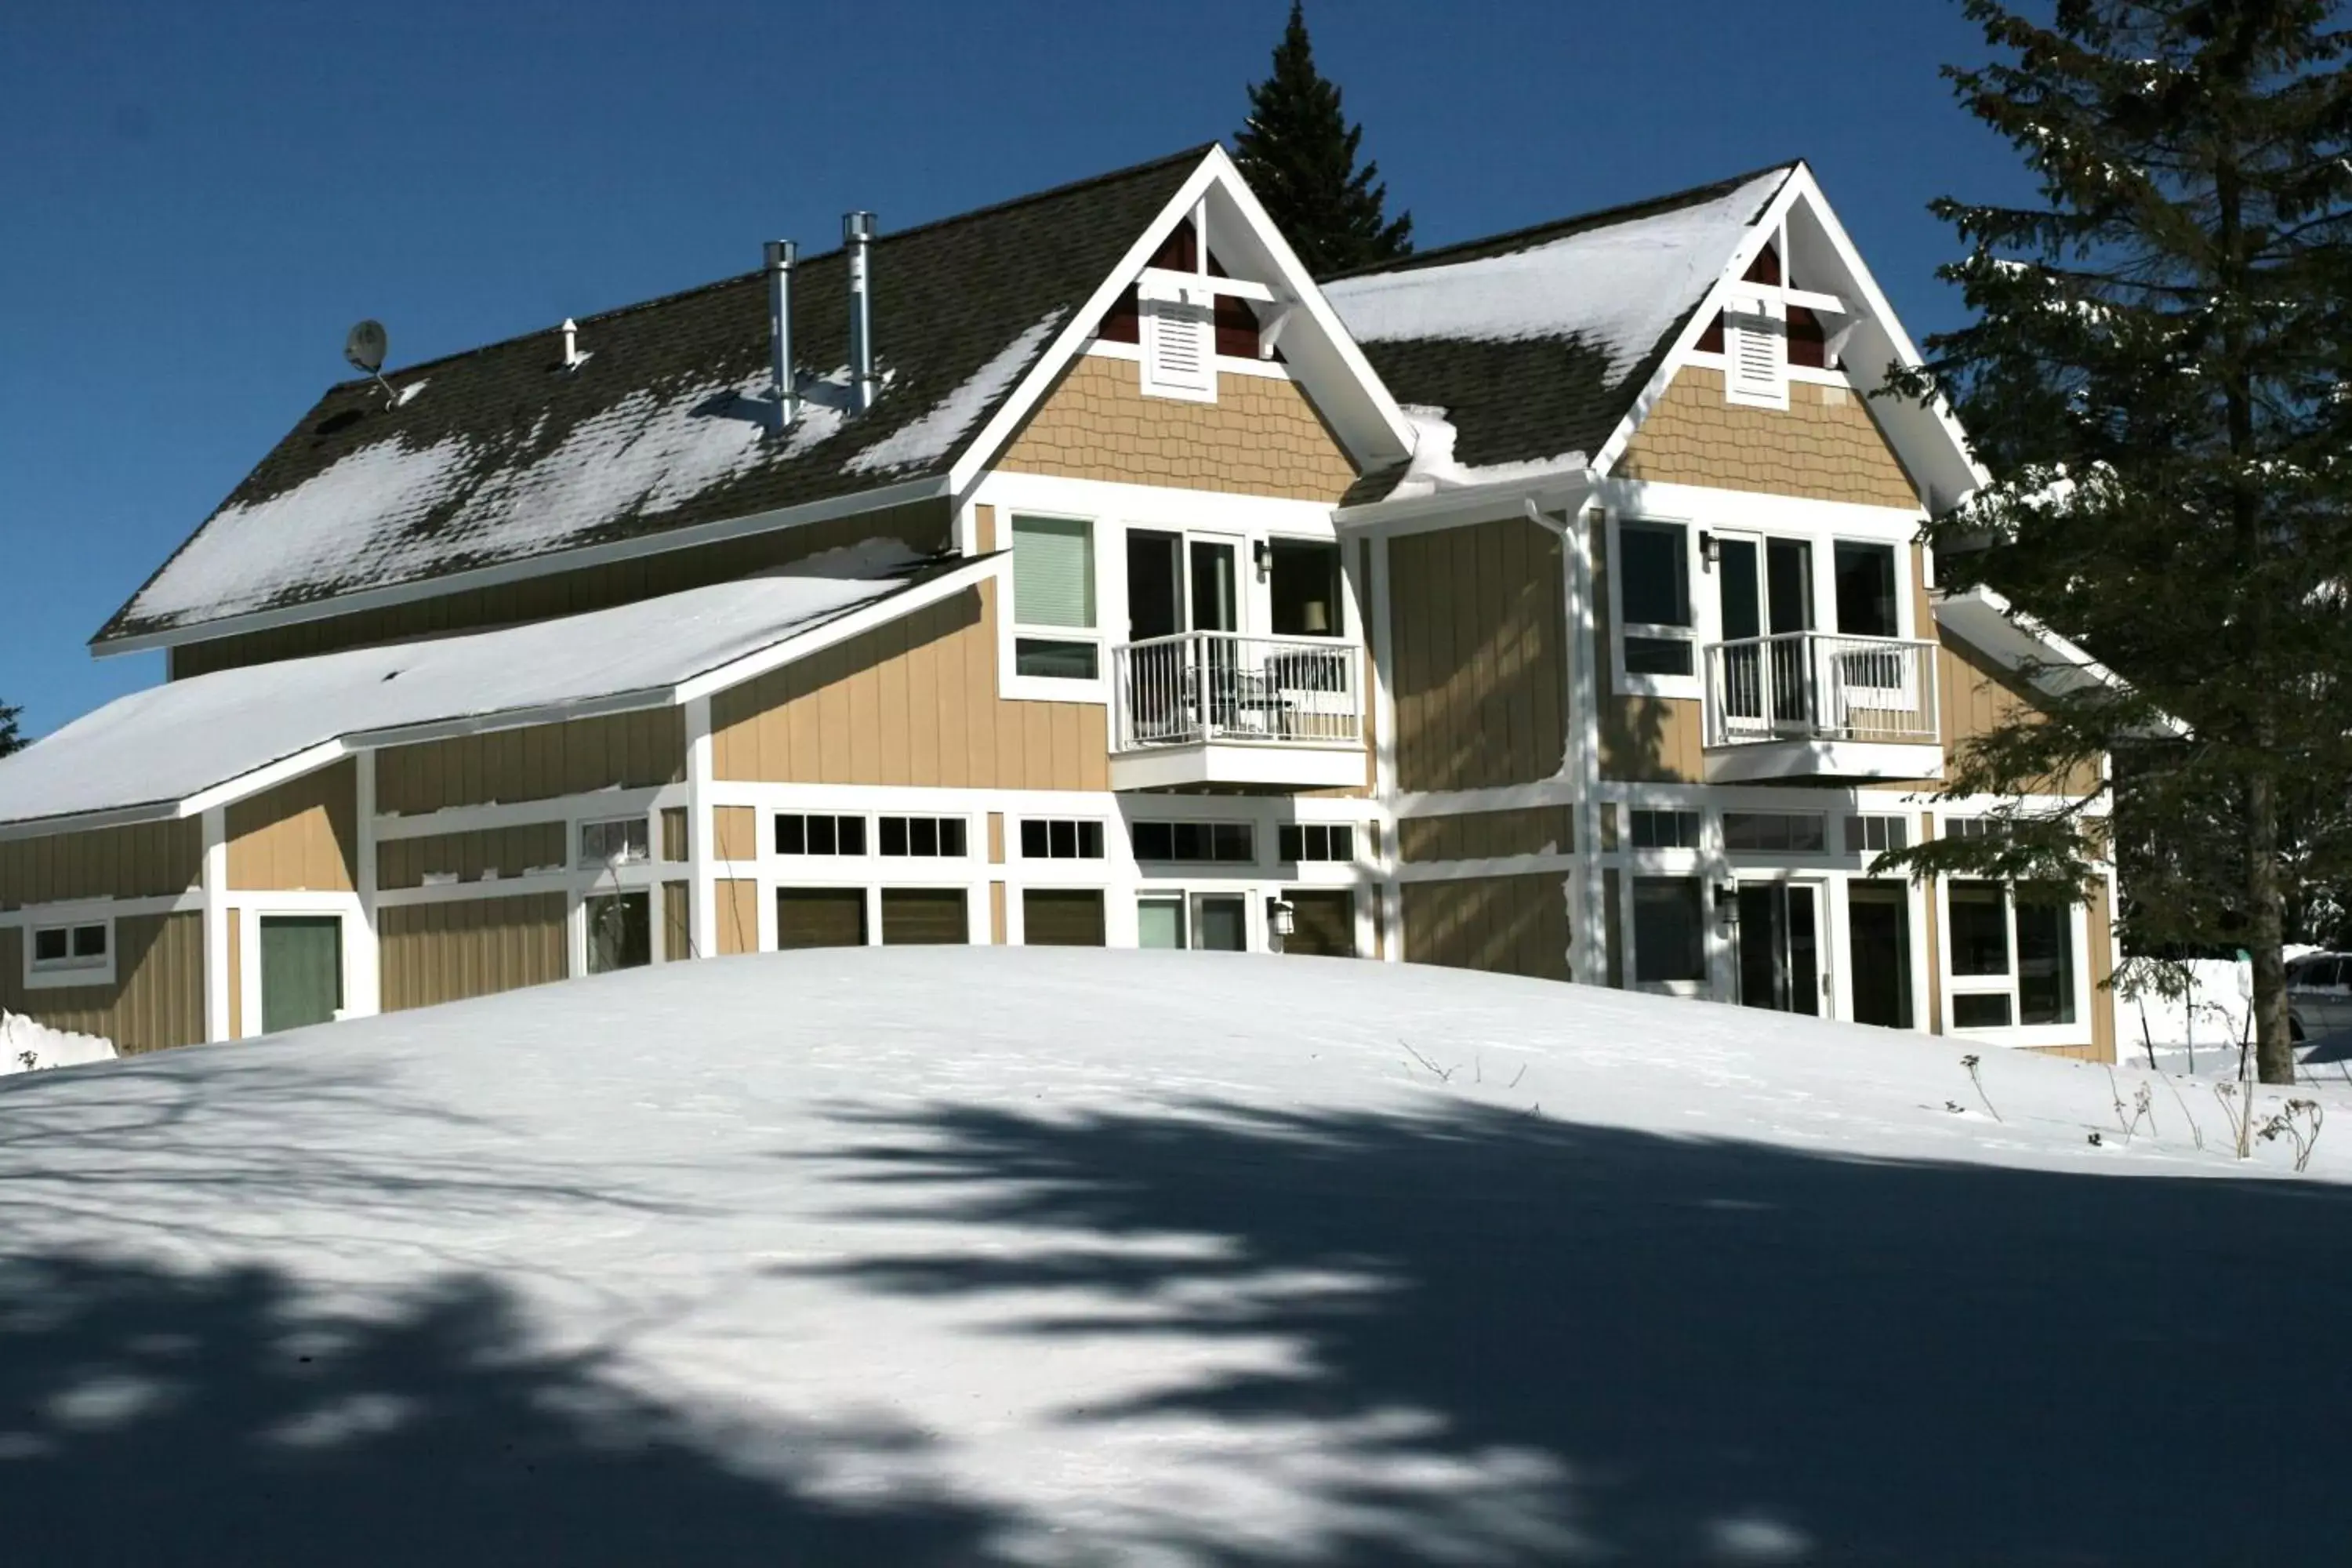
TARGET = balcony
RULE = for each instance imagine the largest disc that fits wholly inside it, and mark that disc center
(1816, 706)
(1216, 707)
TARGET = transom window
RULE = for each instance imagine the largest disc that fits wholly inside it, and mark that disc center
(2012, 955)
(1224, 843)
(1655, 829)
(1302, 841)
(1659, 633)
(921, 836)
(83, 946)
(814, 833)
(624, 841)
(1054, 598)
(1774, 832)
(1875, 834)
(1061, 839)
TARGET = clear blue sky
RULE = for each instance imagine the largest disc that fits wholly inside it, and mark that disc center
(197, 200)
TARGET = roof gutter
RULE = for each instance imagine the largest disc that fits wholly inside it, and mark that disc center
(1563, 491)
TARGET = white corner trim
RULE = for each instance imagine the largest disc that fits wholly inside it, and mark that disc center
(217, 978)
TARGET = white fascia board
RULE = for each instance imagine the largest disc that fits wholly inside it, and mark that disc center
(1216, 171)
(545, 565)
(596, 707)
(982, 449)
(1759, 234)
(1471, 504)
(225, 793)
(1301, 285)
(841, 628)
(1989, 623)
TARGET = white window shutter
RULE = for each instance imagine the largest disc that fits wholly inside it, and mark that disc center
(1756, 352)
(1179, 343)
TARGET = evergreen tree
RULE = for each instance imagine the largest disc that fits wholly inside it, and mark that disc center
(2155, 377)
(1299, 153)
(11, 738)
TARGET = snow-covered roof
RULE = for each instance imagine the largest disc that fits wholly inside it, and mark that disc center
(1530, 347)
(504, 455)
(154, 751)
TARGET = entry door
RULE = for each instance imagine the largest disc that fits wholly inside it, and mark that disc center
(1780, 947)
(302, 970)
(1765, 589)
(1220, 922)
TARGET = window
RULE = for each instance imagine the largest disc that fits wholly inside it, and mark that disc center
(941, 836)
(1665, 829)
(1875, 834)
(1062, 917)
(620, 931)
(623, 842)
(802, 833)
(2012, 955)
(1653, 599)
(1866, 590)
(1972, 828)
(1226, 843)
(1160, 921)
(1053, 590)
(1058, 838)
(1774, 832)
(1303, 588)
(1669, 930)
(1314, 841)
(924, 916)
(84, 946)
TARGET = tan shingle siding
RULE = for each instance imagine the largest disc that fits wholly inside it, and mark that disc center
(1819, 447)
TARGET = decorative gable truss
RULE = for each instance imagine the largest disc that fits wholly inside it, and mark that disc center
(1798, 304)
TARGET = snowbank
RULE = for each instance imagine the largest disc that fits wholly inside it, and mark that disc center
(28, 1047)
(1044, 1258)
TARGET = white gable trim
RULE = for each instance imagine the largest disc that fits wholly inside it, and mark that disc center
(1216, 171)
(1801, 185)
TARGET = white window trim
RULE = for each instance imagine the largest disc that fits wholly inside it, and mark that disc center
(69, 973)
(1011, 682)
(642, 821)
(1634, 684)
(2077, 1033)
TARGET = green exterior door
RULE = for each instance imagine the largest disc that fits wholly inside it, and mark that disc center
(301, 970)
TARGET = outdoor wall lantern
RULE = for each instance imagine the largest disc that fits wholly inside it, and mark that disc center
(1711, 549)
(1281, 917)
(1726, 909)
(1262, 553)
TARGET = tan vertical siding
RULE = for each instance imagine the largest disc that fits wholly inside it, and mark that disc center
(150, 861)
(1825, 445)
(996, 913)
(447, 952)
(676, 845)
(1510, 925)
(996, 839)
(678, 921)
(2101, 935)
(1976, 696)
(157, 998)
(738, 915)
(1261, 436)
(735, 831)
(491, 852)
(1477, 622)
(628, 751)
(1485, 835)
(925, 525)
(302, 835)
(1649, 740)
(853, 713)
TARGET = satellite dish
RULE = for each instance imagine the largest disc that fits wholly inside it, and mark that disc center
(365, 345)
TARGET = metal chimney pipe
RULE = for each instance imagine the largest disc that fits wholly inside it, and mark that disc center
(856, 242)
(780, 254)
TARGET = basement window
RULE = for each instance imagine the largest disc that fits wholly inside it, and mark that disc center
(816, 833)
(1224, 843)
(72, 947)
(1061, 839)
(926, 836)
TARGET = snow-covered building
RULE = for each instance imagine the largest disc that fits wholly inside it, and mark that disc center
(1080, 571)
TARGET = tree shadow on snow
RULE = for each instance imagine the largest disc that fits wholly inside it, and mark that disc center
(1686, 1351)
(150, 1416)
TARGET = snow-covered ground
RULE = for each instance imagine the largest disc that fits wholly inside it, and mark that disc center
(27, 1046)
(932, 1256)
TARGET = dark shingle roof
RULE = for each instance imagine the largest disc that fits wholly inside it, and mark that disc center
(1526, 366)
(497, 455)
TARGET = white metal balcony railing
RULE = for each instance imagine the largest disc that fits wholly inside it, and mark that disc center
(1196, 687)
(1816, 685)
